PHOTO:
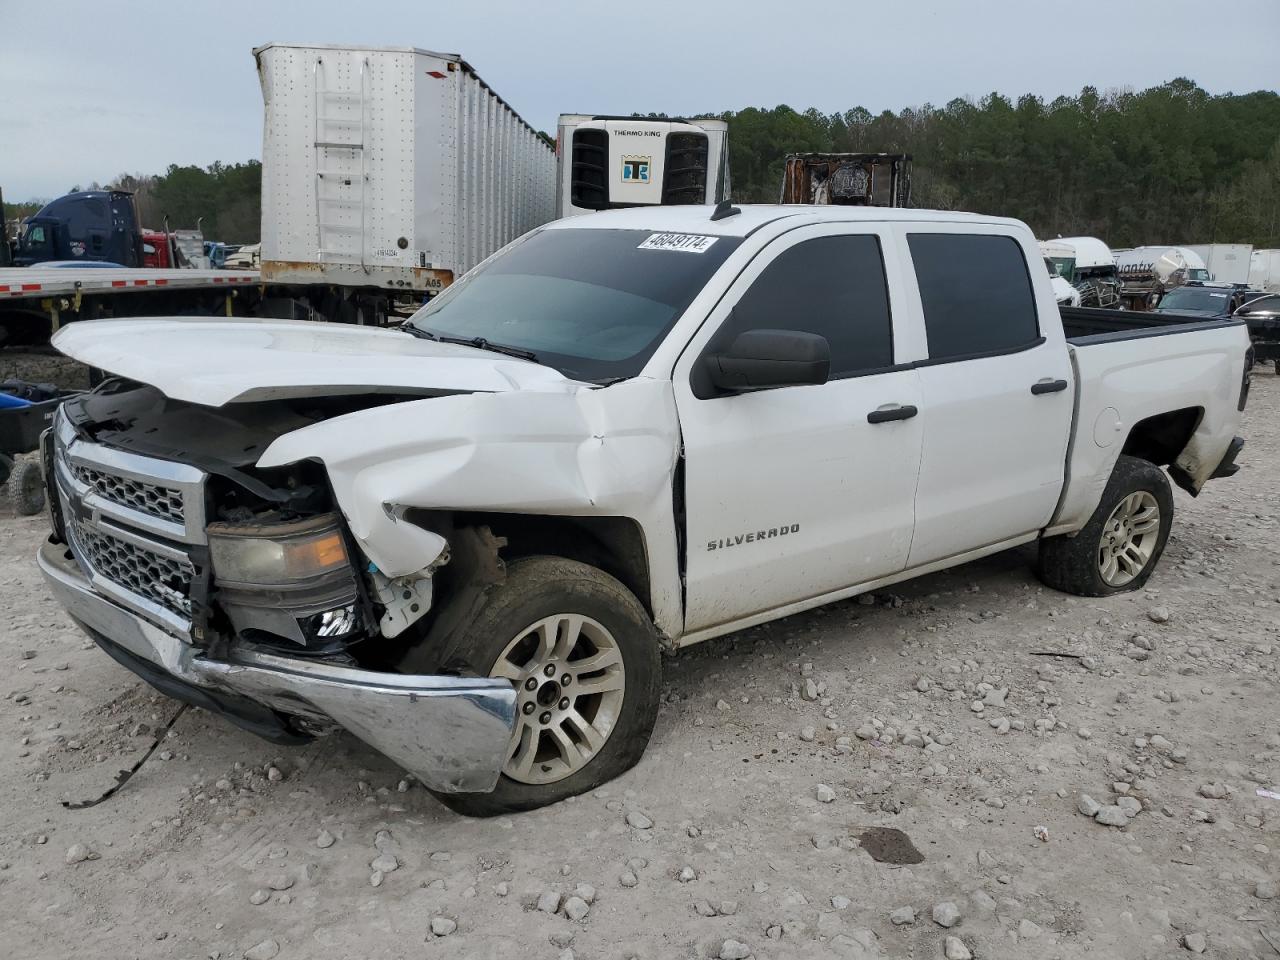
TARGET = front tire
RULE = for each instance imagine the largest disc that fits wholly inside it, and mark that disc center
(583, 656)
(1121, 544)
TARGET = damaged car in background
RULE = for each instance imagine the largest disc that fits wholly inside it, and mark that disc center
(467, 541)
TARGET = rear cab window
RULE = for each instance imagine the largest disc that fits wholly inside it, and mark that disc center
(976, 294)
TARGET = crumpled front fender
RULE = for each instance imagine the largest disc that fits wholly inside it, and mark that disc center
(588, 452)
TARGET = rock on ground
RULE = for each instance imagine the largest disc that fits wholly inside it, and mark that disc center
(78, 853)
(946, 914)
(263, 950)
(1112, 816)
(443, 926)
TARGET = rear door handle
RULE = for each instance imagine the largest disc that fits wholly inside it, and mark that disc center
(1048, 386)
(895, 412)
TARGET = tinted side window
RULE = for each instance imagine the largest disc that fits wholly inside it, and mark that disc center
(831, 286)
(976, 293)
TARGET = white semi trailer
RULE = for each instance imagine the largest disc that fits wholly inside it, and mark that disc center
(1226, 262)
(1264, 270)
(386, 173)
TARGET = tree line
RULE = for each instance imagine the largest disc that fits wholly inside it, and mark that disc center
(225, 199)
(1170, 164)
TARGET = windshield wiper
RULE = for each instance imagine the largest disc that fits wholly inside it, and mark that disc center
(418, 332)
(480, 343)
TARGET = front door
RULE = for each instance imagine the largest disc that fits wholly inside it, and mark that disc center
(792, 493)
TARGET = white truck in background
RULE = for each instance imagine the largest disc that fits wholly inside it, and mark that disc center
(1264, 270)
(1092, 271)
(611, 162)
(1226, 262)
(467, 541)
(1148, 273)
(386, 173)
(1059, 261)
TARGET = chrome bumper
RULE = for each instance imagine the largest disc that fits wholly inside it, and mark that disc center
(451, 733)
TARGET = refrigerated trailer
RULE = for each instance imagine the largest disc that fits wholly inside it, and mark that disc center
(387, 172)
(611, 162)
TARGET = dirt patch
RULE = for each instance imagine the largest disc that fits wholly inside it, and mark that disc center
(888, 845)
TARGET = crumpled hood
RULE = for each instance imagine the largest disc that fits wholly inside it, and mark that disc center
(215, 362)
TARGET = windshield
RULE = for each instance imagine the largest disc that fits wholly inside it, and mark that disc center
(1198, 273)
(1065, 267)
(1196, 300)
(32, 237)
(594, 304)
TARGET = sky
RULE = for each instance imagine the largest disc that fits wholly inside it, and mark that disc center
(89, 90)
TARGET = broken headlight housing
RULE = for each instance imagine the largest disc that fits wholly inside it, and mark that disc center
(262, 554)
(288, 579)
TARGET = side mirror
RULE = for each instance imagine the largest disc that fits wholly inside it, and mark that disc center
(759, 359)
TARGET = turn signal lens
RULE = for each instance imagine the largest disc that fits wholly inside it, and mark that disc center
(324, 553)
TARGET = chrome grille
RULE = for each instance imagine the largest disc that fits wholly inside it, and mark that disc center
(164, 580)
(153, 499)
(132, 523)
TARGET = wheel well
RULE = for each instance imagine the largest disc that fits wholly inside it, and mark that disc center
(613, 544)
(1161, 438)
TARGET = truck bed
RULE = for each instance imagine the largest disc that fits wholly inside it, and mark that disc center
(1089, 325)
(1130, 368)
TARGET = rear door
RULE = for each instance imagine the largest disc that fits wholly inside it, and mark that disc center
(997, 389)
(791, 493)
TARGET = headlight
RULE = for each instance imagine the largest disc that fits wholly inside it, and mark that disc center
(256, 554)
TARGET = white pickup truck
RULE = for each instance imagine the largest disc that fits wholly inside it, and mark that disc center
(467, 541)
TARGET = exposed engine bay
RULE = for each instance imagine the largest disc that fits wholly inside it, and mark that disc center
(278, 569)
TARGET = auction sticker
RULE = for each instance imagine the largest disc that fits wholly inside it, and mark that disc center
(684, 242)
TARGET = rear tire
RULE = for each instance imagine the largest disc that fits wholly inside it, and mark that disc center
(1121, 544)
(548, 619)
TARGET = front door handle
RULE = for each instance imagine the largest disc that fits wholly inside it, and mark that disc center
(1048, 386)
(895, 412)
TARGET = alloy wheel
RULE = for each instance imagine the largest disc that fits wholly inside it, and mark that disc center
(1129, 539)
(570, 679)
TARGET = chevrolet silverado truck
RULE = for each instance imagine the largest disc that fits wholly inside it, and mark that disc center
(468, 541)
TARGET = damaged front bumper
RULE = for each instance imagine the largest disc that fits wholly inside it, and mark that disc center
(452, 733)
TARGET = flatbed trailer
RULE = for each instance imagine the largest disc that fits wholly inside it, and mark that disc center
(35, 301)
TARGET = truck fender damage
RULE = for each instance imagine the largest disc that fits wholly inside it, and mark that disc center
(588, 452)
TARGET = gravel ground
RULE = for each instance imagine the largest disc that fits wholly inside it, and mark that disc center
(43, 366)
(752, 826)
